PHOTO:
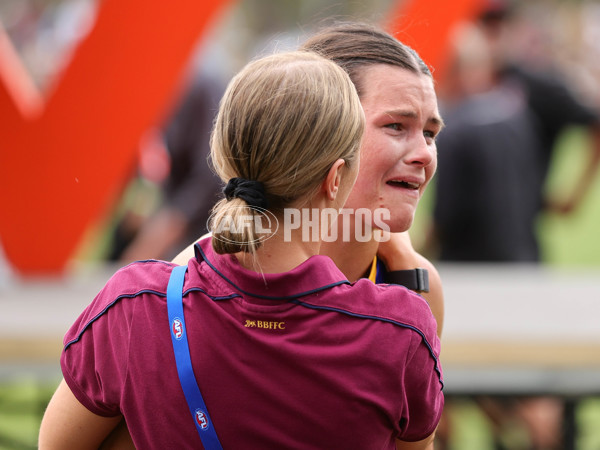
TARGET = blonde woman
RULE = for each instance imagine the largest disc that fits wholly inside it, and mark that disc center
(282, 351)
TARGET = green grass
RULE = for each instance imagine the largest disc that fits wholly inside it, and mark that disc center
(471, 430)
(572, 240)
(22, 403)
(588, 418)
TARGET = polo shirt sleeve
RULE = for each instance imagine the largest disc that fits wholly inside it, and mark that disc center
(423, 383)
(95, 354)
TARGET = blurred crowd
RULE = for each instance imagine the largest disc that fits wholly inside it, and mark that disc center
(514, 86)
(507, 101)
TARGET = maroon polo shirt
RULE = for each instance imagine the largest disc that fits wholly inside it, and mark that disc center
(302, 359)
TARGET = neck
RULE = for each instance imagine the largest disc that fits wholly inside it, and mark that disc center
(353, 258)
(276, 255)
(289, 246)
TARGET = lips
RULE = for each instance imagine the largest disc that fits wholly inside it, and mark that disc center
(411, 185)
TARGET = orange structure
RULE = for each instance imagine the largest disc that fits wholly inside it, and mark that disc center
(66, 155)
(426, 25)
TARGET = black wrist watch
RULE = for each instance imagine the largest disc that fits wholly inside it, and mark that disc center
(414, 279)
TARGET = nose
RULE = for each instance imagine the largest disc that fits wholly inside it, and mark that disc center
(422, 152)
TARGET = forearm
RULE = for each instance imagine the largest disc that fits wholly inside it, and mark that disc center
(584, 181)
(591, 168)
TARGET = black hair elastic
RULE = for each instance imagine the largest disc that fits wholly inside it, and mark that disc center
(252, 192)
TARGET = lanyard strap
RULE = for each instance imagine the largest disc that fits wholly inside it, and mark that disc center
(194, 399)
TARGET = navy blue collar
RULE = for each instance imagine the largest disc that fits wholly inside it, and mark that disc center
(315, 274)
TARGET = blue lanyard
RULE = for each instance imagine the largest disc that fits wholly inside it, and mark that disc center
(194, 399)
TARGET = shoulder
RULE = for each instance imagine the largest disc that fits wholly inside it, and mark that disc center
(393, 304)
(140, 276)
(389, 303)
(135, 279)
(401, 307)
(121, 290)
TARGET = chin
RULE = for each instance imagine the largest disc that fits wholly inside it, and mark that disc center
(398, 225)
(400, 228)
(401, 220)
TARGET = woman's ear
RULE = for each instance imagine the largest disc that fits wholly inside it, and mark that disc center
(331, 183)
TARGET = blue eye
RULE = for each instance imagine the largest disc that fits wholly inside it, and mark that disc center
(430, 135)
(394, 126)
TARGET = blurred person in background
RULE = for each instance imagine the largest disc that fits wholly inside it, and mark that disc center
(190, 187)
(491, 214)
(504, 115)
(555, 104)
(487, 189)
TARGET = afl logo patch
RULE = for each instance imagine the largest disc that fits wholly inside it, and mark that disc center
(201, 419)
(177, 328)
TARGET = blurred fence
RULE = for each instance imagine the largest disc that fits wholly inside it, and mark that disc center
(509, 330)
(504, 319)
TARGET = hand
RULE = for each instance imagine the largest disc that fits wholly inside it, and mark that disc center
(562, 208)
(397, 252)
